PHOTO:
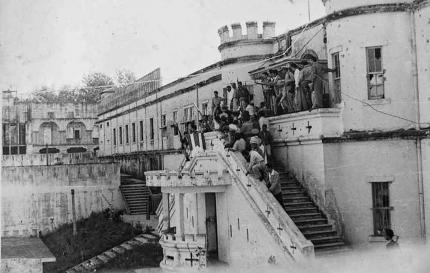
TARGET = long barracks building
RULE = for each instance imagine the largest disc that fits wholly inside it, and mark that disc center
(363, 160)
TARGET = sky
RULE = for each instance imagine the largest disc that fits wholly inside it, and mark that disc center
(55, 42)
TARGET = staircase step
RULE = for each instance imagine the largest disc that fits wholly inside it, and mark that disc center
(313, 221)
(329, 245)
(307, 204)
(103, 258)
(294, 211)
(126, 246)
(295, 199)
(293, 191)
(326, 240)
(317, 227)
(319, 233)
(110, 254)
(303, 216)
(118, 249)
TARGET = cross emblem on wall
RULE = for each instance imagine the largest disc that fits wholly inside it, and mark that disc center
(293, 128)
(293, 246)
(267, 211)
(191, 259)
(279, 227)
(309, 127)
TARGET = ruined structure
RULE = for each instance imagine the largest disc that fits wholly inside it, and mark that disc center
(33, 128)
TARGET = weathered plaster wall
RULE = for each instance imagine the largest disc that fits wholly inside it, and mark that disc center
(422, 25)
(21, 265)
(242, 237)
(39, 197)
(53, 159)
(349, 169)
(400, 97)
(336, 5)
(425, 147)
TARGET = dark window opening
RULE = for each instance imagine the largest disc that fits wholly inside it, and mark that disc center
(77, 134)
(120, 135)
(141, 130)
(381, 207)
(375, 73)
(133, 129)
(126, 134)
(114, 136)
(151, 129)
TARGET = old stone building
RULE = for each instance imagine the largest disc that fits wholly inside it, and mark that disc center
(31, 128)
(362, 160)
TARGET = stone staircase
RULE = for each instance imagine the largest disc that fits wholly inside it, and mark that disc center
(307, 216)
(98, 261)
(136, 195)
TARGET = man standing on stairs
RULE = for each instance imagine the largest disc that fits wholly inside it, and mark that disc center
(274, 185)
(256, 161)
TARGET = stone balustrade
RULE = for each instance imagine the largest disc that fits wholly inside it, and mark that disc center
(187, 178)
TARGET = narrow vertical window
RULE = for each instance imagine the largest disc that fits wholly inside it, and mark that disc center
(151, 129)
(381, 207)
(114, 136)
(336, 78)
(375, 73)
(126, 134)
(163, 120)
(141, 130)
(120, 135)
(133, 132)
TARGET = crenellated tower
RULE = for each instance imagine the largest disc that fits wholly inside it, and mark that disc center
(252, 43)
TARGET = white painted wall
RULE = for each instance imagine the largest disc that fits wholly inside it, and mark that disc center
(422, 25)
(336, 5)
(350, 36)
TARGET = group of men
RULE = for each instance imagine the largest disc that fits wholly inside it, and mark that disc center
(295, 86)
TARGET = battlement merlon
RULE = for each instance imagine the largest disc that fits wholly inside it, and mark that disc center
(251, 32)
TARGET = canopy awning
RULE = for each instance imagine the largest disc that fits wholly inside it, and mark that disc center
(279, 62)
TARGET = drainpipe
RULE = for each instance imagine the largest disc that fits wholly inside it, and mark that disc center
(417, 126)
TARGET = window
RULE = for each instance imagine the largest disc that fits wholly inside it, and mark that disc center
(141, 130)
(107, 124)
(175, 116)
(151, 129)
(101, 126)
(51, 115)
(120, 135)
(126, 134)
(133, 132)
(205, 108)
(163, 120)
(336, 78)
(185, 114)
(381, 207)
(188, 114)
(114, 136)
(77, 134)
(375, 73)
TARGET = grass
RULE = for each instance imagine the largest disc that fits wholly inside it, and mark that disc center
(96, 234)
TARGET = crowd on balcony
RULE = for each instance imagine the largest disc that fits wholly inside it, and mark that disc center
(295, 87)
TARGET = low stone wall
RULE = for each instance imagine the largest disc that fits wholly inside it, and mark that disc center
(38, 198)
(53, 159)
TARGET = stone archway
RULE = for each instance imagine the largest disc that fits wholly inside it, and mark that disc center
(48, 133)
(75, 130)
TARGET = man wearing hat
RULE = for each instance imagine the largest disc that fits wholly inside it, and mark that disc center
(256, 161)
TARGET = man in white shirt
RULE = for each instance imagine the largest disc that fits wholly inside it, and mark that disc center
(256, 161)
(251, 109)
(274, 185)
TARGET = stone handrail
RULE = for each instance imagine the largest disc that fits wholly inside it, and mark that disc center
(274, 217)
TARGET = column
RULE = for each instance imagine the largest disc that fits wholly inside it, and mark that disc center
(179, 203)
(196, 214)
(166, 213)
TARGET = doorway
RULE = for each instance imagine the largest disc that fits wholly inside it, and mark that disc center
(211, 226)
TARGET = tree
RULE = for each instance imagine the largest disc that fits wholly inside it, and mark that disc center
(44, 95)
(124, 77)
(94, 84)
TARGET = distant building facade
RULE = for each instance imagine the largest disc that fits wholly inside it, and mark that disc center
(31, 128)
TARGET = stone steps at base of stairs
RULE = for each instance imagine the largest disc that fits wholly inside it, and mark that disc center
(317, 227)
(97, 261)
